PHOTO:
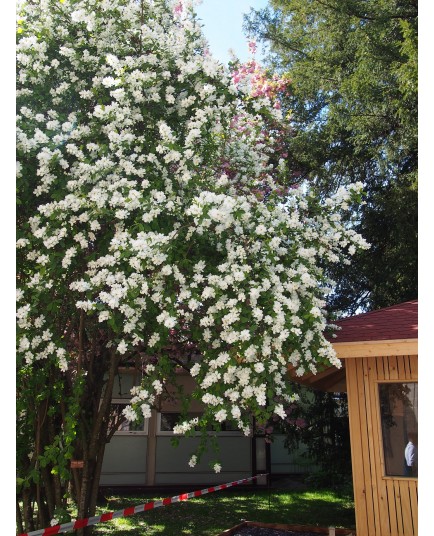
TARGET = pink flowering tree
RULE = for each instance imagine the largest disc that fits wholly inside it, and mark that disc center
(156, 226)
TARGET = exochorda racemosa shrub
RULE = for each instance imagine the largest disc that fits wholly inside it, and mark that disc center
(158, 221)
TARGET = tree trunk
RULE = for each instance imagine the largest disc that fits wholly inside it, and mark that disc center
(83, 505)
(76, 485)
(94, 446)
(97, 476)
(49, 496)
(28, 510)
(43, 515)
(20, 525)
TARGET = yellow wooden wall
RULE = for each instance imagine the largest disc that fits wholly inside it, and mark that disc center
(385, 506)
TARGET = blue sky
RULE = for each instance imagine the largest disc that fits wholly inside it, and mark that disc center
(222, 25)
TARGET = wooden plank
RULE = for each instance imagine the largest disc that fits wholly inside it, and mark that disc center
(407, 520)
(363, 438)
(380, 368)
(386, 510)
(391, 501)
(386, 368)
(413, 365)
(282, 526)
(401, 367)
(356, 447)
(334, 383)
(397, 492)
(393, 368)
(296, 528)
(407, 367)
(233, 530)
(346, 350)
(331, 378)
(370, 373)
(383, 508)
(414, 504)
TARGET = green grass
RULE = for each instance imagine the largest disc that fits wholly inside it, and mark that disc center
(211, 514)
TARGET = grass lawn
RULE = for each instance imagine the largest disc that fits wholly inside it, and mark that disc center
(211, 514)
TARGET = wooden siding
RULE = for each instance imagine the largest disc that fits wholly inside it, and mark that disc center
(385, 506)
(376, 348)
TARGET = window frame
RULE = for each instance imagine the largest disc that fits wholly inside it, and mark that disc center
(144, 432)
(377, 384)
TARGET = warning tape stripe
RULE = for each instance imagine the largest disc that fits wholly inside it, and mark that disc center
(108, 516)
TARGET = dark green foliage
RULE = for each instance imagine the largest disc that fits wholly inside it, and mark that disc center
(353, 111)
(327, 438)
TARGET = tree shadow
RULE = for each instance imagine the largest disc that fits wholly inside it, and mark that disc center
(211, 514)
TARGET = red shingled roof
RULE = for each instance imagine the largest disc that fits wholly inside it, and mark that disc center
(396, 322)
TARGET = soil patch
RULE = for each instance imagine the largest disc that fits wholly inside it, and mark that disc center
(262, 531)
(251, 528)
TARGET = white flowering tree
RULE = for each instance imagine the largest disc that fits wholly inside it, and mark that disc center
(156, 226)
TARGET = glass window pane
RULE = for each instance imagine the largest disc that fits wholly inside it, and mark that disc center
(126, 426)
(398, 406)
(229, 426)
(168, 421)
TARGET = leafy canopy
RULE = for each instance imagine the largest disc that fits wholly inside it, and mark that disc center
(353, 107)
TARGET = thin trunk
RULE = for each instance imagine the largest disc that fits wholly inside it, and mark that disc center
(55, 480)
(104, 408)
(41, 425)
(92, 468)
(28, 510)
(76, 485)
(80, 342)
(93, 488)
(58, 491)
(43, 519)
(20, 525)
(97, 476)
(86, 483)
(48, 491)
(92, 356)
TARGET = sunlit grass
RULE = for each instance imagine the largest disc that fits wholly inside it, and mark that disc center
(211, 514)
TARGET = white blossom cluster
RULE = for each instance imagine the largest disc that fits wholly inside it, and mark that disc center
(144, 158)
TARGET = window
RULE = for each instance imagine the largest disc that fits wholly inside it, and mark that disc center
(398, 408)
(167, 421)
(127, 427)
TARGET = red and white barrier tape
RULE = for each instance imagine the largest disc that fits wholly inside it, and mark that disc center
(81, 523)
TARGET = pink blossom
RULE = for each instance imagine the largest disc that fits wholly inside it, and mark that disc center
(252, 47)
(177, 10)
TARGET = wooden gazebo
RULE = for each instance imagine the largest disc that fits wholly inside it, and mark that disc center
(379, 353)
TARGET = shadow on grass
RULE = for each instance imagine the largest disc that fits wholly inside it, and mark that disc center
(211, 514)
